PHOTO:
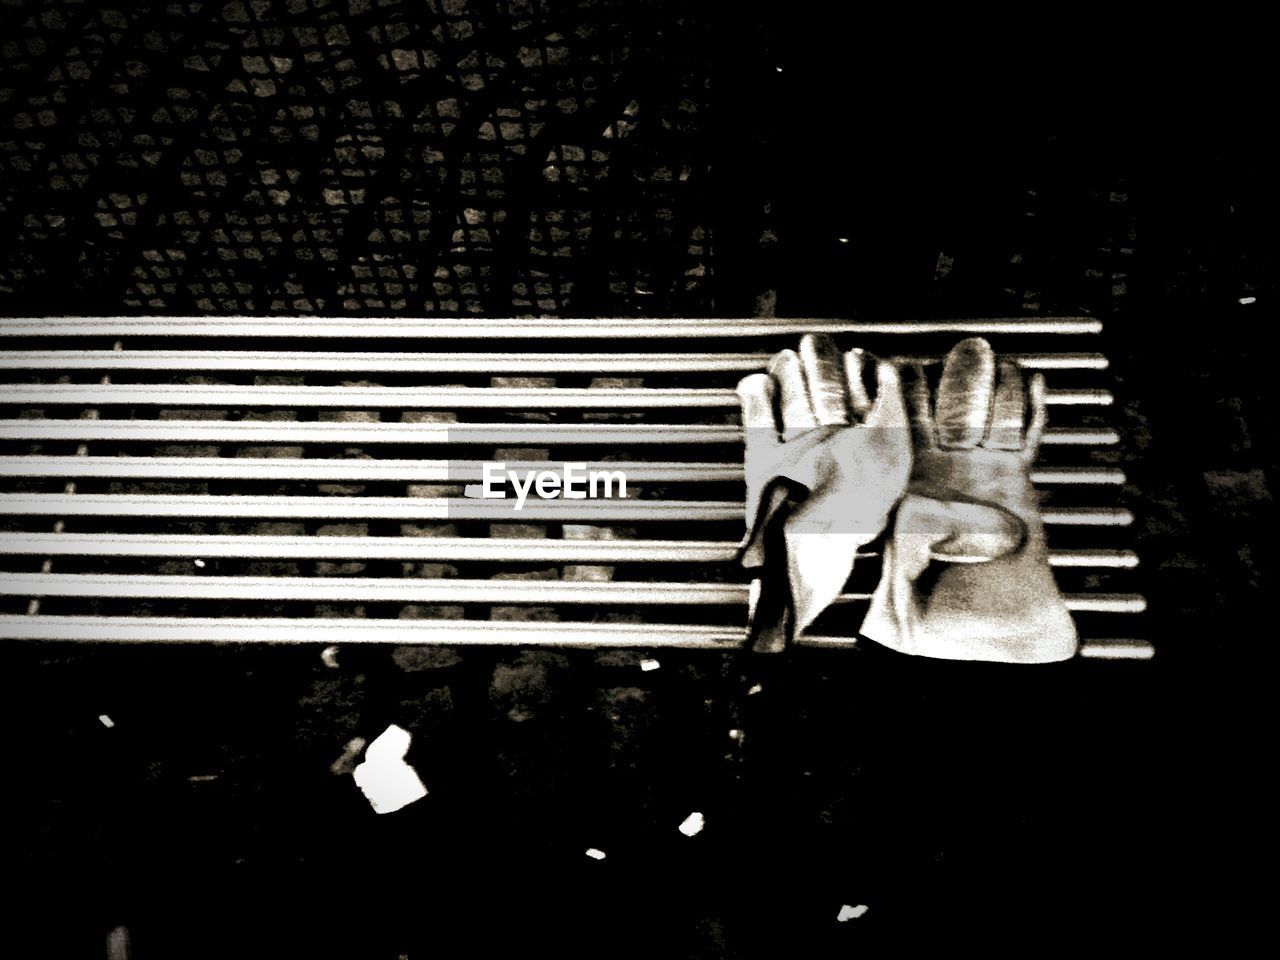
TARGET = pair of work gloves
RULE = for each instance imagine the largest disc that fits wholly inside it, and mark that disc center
(839, 449)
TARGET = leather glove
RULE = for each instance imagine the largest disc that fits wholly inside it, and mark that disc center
(970, 507)
(825, 463)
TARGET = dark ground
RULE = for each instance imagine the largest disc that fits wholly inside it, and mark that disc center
(318, 157)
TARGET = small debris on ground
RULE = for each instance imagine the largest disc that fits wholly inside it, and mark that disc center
(647, 665)
(106, 721)
(595, 854)
(693, 824)
(851, 913)
(387, 782)
(329, 655)
(346, 763)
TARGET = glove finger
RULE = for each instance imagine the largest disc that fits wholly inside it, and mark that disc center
(965, 393)
(887, 434)
(1039, 418)
(855, 364)
(824, 376)
(1008, 411)
(919, 407)
(889, 411)
(793, 394)
(757, 394)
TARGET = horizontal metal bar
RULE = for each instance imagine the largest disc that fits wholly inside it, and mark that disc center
(1050, 476)
(1079, 398)
(1121, 559)
(1106, 602)
(428, 548)
(1117, 649)
(489, 363)
(358, 631)
(262, 431)
(442, 398)
(1087, 516)
(357, 589)
(365, 471)
(346, 631)
(340, 589)
(368, 548)
(351, 398)
(427, 508)
(1089, 649)
(507, 328)
(336, 361)
(421, 471)
(384, 508)
(259, 431)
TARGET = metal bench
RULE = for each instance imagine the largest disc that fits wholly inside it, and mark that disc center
(215, 479)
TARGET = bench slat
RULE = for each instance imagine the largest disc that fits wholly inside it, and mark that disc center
(353, 469)
(505, 328)
(433, 508)
(442, 398)
(1116, 649)
(513, 550)
(353, 631)
(425, 590)
(446, 632)
(261, 431)
(489, 363)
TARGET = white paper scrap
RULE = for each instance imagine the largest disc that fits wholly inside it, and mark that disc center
(387, 782)
(693, 824)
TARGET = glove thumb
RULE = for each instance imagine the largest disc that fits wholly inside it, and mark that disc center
(926, 529)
